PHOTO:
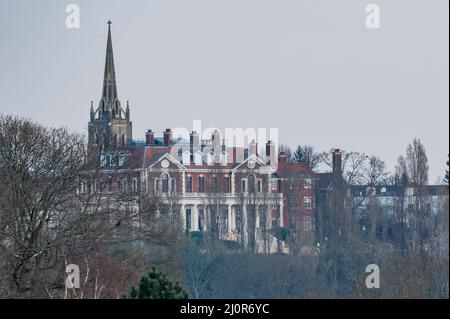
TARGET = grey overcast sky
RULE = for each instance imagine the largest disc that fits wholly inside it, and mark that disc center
(310, 68)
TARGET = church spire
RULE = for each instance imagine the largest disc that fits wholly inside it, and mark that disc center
(113, 125)
(109, 95)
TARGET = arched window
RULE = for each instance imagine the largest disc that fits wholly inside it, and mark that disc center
(186, 158)
(115, 139)
(251, 183)
(165, 183)
(97, 139)
(210, 158)
(198, 158)
(105, 140)
(123, 140)
(224, 158)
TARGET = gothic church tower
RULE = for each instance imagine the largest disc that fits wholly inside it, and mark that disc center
(110, 125)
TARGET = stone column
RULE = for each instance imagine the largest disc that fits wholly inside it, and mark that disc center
(244, 230)
(183, 216)
(194, 218)
(230, 218)
(281, 215)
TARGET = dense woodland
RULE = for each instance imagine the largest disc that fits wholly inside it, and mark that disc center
(46, 225)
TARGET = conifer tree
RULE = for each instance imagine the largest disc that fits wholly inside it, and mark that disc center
(156, 285)
(447, 177)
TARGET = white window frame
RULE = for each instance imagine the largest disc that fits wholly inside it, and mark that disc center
(198, 158)
(307, 202)
(307, 183)
(186, 158)
(274, 184)
(224, 158)
(210, 158)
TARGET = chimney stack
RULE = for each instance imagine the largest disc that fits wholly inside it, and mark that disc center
(168, 137)
(194, 142)
(270, 154)
(245, 153)
(282, 158)
(253, 148)
(149, 138)
(337, 161)
(216, 142)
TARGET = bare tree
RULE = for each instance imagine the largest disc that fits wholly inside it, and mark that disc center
(353, 166)
(62, 203)
(376, 173)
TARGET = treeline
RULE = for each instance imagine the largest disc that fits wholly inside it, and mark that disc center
(47, 224)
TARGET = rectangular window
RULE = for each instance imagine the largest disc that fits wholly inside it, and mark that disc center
(226, 184)
(188, 219)
(214, 185)
(307, 202)
(307, 224)
(274, 183)
(259, 186)
(243, 188)
(307, 183)
(200, 219)
(188, 184)
(201, 184)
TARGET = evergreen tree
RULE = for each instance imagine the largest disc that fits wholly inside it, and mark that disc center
(299, 155)
(156, 285)
(446, 178)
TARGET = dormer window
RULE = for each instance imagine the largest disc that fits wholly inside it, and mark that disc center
(186, 158)
(121, 160)
(210, 158)
(198, 158)
(224, 158)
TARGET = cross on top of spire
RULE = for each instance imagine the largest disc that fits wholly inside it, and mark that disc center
(109, 22)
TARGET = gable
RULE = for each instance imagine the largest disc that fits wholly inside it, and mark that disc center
(166, 162)
(253, 163)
